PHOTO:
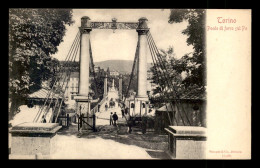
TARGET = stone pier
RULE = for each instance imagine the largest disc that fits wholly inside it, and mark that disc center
(141, 99)
(105, 86)
(83, 100)
(120, 87)
(33, 140)
(186, 142)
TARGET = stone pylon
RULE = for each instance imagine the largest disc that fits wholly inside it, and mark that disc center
(141, 100)
(120, 88)
(105, 86)
(83, 100)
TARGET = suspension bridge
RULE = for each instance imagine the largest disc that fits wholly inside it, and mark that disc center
(82, 44)
(90, 110)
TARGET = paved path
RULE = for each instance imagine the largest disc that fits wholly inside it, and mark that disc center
(95, 146)
(109, 142)
(103, 117)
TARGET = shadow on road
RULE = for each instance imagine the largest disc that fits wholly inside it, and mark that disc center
(154, 144)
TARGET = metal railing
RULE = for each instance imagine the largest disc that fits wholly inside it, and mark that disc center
(95, 109)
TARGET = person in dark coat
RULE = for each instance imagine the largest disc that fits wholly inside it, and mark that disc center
(126, 111)
(98, 107)
(130, 124)
(111, 119)
(115, 118)
(123, 112)
(43, 119)
(106, 106)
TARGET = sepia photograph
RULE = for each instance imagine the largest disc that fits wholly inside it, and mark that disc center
(119, 84)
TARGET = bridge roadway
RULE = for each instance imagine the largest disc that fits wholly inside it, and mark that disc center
(107, 143)
(103, 117)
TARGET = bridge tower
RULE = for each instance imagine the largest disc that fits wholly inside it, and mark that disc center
(83, 100)
(120, 87)
(141, 99)
(105, 86)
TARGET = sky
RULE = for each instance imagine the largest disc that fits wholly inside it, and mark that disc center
(121, 45)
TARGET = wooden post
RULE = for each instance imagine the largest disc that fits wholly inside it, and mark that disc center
(78, 122)
(141, 106)
(94, 122)
(68, 120)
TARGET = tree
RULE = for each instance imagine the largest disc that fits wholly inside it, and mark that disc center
(165, 75)
(97, 85)
(125, 84)
(193, 63)
(34, 35)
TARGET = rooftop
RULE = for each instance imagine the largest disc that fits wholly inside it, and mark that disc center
(41, 94)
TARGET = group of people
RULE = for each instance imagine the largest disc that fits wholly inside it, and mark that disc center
(111, 105)
(113, 119)
(125, 113)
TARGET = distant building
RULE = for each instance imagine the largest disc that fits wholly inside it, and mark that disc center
(150, 85)
(114, 73)
(97, 69)
(193, 107)
(73, 85)
(72, 88)
(149, 74)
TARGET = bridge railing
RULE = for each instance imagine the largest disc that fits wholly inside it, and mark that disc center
(95, 109)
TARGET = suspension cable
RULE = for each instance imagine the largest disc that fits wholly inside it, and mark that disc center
(66, 73)
(52, 92)
(136, 55)
(56, 79)
(156, 69)
(176, 93)
(158, 78)
(173, 87)
(93, 68)
(162, 75)
(74, 55)
(166, 79)
(68, 78)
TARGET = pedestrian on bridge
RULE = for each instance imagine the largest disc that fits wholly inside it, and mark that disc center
(123, 112)
(98, 107)
(129, 123)
(126, 111)
(115, 118)
(106, 106)
(111, 119)
(43, 119)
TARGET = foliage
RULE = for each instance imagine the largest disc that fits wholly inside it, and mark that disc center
(164, 74)
(125, 83)
(72, 66)
(97, 84)
(192, 63)
(34, 35)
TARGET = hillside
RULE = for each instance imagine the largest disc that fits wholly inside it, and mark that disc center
(122, 66)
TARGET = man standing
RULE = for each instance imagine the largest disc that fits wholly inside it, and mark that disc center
(123, 112)
(106, 106)
(115, 118)
(126, 111)
(129, 123)
(98, 107)
(111, 118)
(43, 119)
